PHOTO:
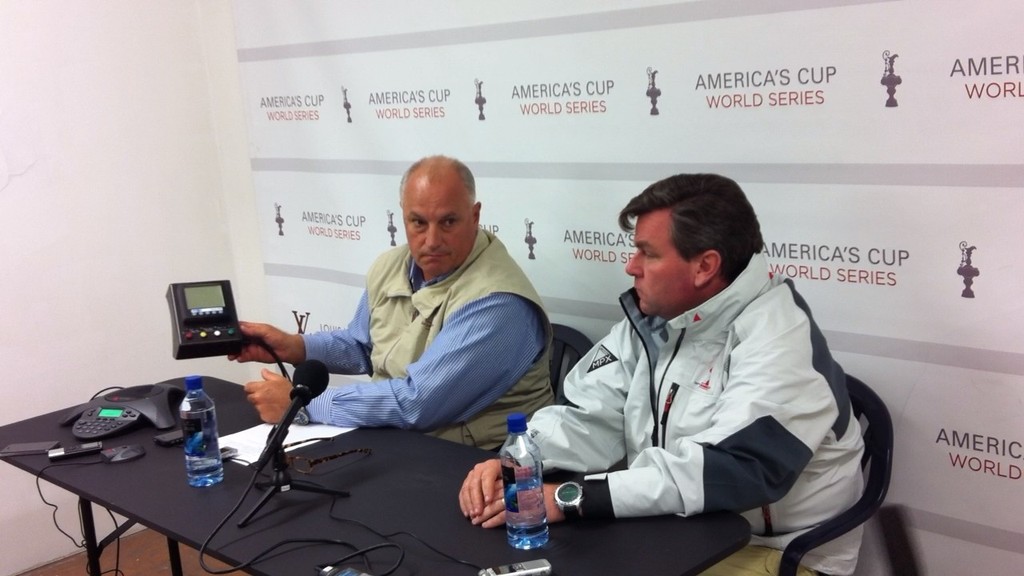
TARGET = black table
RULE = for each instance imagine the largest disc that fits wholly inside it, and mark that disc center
(406, 489)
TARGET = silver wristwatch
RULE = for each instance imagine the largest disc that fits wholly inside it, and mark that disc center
(568, 497)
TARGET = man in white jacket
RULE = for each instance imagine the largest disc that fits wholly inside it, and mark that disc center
(717, 391)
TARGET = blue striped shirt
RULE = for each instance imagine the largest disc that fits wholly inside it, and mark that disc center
(483, 349)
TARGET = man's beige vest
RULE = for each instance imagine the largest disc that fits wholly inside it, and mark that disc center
(403, 324)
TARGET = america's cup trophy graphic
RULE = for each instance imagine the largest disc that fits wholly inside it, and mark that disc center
(391, 227)
(347, 106)
(279, 219)
(967, 270)
(480, 100)
(530, 240)
(889, 78)
(652, 90)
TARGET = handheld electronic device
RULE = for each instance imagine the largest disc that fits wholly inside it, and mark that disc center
(172, 438)
(26, 448)
(74, 451)
(528, 568)
(122, 410)
(204, 319)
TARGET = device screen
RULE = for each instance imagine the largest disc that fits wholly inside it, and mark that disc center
(204, 297)
(110, 412)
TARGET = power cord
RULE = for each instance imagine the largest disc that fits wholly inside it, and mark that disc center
(333, 568)
(80, 544)
(107, 389)
(277, 359)
(401, 533)
(117, 549)
(262, 555)
(39, 490)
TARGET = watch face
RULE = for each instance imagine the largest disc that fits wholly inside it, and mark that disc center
(568, 492)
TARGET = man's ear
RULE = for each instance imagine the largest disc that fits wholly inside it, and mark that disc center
(709, 265)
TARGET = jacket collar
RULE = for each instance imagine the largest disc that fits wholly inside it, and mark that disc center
(715, 314)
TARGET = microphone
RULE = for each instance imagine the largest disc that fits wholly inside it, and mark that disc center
(310, 381)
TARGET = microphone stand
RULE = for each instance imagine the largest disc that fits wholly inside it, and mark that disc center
(281, 480)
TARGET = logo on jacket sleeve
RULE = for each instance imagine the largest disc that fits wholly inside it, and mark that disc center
(602, 358)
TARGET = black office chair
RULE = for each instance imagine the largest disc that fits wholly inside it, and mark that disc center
(567, 347)
(900, 548)
(877, 428)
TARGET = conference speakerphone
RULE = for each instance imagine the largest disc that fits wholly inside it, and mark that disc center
(204, 319)
(103, 421)
(122, 410)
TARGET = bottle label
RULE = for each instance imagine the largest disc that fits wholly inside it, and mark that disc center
(508, 478)
(195, 440)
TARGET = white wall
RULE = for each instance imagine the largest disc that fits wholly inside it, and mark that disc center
(123, 168)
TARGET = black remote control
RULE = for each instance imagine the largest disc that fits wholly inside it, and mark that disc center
(74, 451)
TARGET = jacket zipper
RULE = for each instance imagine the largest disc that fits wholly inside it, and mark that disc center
(664, 414)
(671, 394)
(766, 515)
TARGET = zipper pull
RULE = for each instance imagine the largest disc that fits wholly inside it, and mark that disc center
(668, 405)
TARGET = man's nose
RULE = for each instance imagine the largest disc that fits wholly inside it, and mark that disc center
(631, 267)
(433, 235)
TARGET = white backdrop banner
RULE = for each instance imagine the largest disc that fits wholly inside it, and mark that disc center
(879, 142)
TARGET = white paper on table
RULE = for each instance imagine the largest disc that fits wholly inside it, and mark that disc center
(250, 443)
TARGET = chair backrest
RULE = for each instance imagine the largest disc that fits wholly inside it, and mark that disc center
(567, 347)
(900, 547)
(877, 462)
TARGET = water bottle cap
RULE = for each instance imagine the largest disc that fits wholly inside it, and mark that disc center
(193, 383)
(517, 422)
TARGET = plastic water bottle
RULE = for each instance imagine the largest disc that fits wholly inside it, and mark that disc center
(526, 518)
(199, 427)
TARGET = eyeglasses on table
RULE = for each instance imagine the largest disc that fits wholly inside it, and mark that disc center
(305, 464)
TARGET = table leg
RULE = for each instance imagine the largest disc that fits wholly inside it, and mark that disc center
(92, 549)
(174, 555)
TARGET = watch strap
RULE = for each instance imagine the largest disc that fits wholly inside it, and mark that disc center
(572, 513)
